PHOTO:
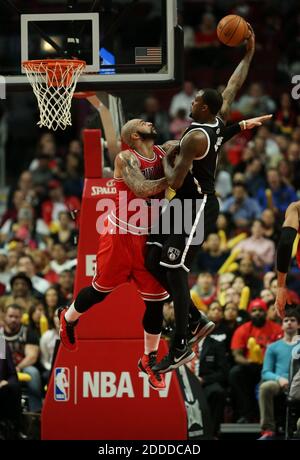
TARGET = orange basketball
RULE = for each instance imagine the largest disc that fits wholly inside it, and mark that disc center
(232, 30)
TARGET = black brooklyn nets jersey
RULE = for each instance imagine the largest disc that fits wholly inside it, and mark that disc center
(201, 177)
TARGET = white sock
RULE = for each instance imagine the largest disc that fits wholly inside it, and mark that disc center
(151, 342)
(72, 314)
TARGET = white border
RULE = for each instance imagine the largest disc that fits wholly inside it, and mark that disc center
(94, 17)
(100, 78)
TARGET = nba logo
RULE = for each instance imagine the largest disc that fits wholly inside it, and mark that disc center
(62, 384)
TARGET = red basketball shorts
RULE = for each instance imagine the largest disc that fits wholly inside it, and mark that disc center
(121, 259)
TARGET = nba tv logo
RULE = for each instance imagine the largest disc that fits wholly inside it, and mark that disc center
(62, 384)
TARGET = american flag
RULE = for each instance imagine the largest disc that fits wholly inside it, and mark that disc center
(147, 55)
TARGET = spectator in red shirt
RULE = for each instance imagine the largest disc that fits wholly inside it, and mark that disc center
(246, 373)
(58, 202)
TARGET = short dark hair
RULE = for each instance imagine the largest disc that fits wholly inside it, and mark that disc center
(292, 310)
(213, 99)
(21, 276)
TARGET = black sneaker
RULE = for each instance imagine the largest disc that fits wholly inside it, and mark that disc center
(175, 358)
(199, 329)
(67, 333)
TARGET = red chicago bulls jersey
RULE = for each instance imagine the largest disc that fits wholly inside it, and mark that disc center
(133, 213)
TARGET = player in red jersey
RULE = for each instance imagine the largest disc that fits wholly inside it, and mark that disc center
(290, 228)
(138, 174)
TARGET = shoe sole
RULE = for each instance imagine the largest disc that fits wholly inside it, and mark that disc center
(204, 331)
(176, 365)
(66, 346)
(140, 366)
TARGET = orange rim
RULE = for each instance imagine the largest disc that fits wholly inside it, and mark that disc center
(35, 64)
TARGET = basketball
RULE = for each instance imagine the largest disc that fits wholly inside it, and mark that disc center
(232, 30)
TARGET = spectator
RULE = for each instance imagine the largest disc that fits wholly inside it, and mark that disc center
(72, 178)
(212, 257)
(211, 370)
(206, 35)
(262, 250)
(247, 271)
(25, 351)
(10, 392)
(5, 275)
(179, 124)
(26, 265)
(246, 374)
(21, 286)
(41, 261)
(281, 195)
(221, 332)
(65, 286)
(275, 372)
(57, 202)
(285, 117)
(267, 296)
(11, 213)
(66, 234)
(183, 100)
(254, 175)
(256, 102)
(47, 345)
(153, 113)
(240, 207)
(60, 262)
(204, 291)
(271, 228)
(52, 301)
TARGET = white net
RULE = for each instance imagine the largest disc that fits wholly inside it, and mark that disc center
(53, 84)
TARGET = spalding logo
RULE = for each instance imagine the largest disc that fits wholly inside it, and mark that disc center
(108, 189)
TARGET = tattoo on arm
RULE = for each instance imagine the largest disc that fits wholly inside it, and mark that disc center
(234, 84)
(135, 179)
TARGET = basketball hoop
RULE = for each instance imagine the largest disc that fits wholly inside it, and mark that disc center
(54, 83)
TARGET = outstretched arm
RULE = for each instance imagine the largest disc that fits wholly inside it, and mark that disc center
(284, 253)
(237, 78)
(113, 146)
(127, 167)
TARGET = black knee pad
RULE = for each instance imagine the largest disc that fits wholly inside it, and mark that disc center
(88, 297)
(153, 317)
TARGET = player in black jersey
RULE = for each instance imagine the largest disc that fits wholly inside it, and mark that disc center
(192, 176)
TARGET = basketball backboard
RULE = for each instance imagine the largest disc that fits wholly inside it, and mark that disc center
(132, 42)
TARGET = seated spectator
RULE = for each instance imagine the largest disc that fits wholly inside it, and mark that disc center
(212, 257)
(65, 286)
(47, 345)
(36, 312)
(60, 262)
(221, 333)
(255, 102)
(271, 313)
(5, 274)
(153, 113)
(65, 233)
(285, 117)
(267, 296)
(247, 271)
(179, 124)
(262, 250)
(11, 213)
(271, 227)
(280, 196)
(206, 35)
(26, 265)
(58, 202)
(254, 175)
(10, 392)
(42, 265)
(183, 99)
(26, 227)
(25, 351)
(211, 369)
(72, 176)
(275, 371)
(204, 291)
(52, 301)
(246, 373)
(21, 286)
(240, 207)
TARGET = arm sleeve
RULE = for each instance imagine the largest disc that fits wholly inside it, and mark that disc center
(285, 247)
(231, 131)
(269, 366)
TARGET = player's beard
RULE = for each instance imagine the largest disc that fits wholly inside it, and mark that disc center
(148, 136)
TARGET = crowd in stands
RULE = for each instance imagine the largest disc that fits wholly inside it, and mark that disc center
(233, 279)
